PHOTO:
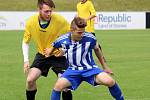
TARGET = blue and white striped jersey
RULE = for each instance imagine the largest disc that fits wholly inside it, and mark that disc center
(78, 54)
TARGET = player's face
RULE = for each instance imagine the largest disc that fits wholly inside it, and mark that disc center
(77, 34)
(45, 12)
(83, 1)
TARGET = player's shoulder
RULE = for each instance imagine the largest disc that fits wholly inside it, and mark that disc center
(58, 19)
(57, 16)
(89, 2)
(79, 3)
(32, 18)
(64, 37)
(54, 14)
(89, 35)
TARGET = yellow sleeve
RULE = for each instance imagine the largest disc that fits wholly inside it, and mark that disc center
(92, 9)
(27, 34)
(77, 9)
(65, 28)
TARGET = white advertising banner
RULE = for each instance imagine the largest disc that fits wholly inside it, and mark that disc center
(15, 20)
(120, 20)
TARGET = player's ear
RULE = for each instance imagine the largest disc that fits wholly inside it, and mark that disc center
(72, 29)
(39, 9)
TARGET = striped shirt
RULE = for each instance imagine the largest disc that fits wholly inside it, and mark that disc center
(78, 54)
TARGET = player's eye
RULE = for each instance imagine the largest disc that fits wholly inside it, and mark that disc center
(48, 11)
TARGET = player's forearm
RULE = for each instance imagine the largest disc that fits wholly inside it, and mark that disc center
(91, 17)
(103, 63)
(25, 50)
(48, 51)
(62, 50)
(100, 57)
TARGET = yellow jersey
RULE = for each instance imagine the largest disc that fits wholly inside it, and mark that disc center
(43, 38)
(84, 10)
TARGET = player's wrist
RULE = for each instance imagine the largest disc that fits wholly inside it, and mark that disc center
(26, 60)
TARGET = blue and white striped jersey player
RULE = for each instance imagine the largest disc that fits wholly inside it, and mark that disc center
(77, 46)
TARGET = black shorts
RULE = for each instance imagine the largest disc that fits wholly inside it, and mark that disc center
(93, 34)
(58, 64)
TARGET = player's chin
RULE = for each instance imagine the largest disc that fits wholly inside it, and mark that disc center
(47, 18)
(79, 38)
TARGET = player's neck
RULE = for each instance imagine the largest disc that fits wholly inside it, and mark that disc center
(84, 1)
(43, 23)
(42, 20)
(74, 39)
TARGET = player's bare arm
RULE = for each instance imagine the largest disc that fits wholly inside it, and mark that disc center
(25, 49)
(61, 52)
(101, 60)
(48, 51)
(26, 67)
(90, 17)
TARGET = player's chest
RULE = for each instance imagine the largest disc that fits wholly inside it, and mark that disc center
(41, 32)
(78, 47)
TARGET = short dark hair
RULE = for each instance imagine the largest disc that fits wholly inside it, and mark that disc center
(50, 3)
(78, 22)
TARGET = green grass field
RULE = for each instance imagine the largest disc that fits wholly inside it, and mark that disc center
(126, 51)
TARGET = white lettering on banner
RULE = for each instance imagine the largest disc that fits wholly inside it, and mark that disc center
(15, 20)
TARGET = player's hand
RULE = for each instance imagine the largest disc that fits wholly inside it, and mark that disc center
(47, 52)
(85, 20)
(26, 67)
(60, 53)
(108, 70)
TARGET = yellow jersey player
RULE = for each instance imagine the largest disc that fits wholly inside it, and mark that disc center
(44, 28)
(86, 10)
